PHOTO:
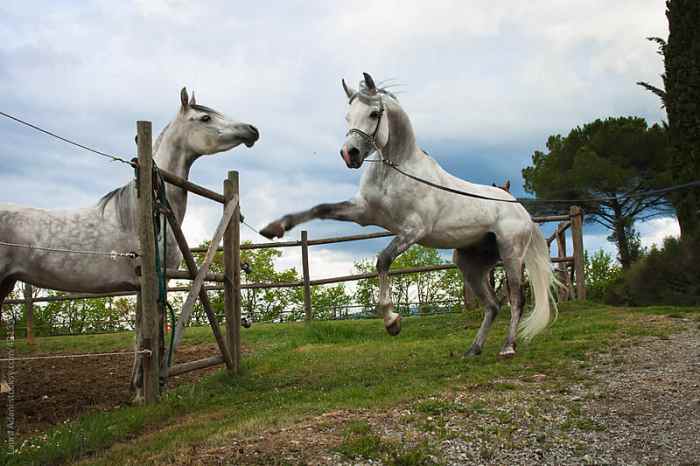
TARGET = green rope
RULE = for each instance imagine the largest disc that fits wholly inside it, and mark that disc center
(161, 266)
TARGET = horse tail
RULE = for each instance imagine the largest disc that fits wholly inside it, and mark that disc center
(542, 281)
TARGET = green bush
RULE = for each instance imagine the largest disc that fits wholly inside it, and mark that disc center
(670, 276)
(602, 272)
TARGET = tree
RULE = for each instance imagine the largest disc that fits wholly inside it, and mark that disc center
(328, 299)
(259, 304)
(367, 291)
(425, 287)
(618, 158)
(681, 98)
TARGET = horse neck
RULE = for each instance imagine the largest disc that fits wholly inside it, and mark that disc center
(172, 156)
(401, 146)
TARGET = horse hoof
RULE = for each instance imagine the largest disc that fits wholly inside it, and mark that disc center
(273, 230)
(394, 328)
(507, 352)
(472, 352)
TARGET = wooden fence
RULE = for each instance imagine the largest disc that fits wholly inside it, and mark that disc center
(150, 322)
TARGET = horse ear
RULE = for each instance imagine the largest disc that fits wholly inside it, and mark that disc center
(369, 82)
(184, 98)
(193, 101)
(349, 91)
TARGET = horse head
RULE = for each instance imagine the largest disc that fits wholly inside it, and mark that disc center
(202, 130)
(367, 122)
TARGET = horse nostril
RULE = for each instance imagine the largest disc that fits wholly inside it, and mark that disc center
(354, 152)
(254, 130)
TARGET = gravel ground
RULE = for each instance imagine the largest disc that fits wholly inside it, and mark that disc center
(637, 405)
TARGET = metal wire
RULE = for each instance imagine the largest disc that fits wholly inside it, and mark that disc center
(75, 356)
(251, 228)
(652, 192)
(112, 254)
(77, 144)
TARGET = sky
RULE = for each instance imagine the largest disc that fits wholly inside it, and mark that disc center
(485, 83)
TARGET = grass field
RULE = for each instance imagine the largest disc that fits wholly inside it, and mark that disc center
(295, 370)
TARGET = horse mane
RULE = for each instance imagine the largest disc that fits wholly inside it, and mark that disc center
(159, 139)
(124, 197)
(368, 97)
(124, 205)
(401, 135)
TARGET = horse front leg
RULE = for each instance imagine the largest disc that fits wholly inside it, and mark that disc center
(347, 211)
(6, 287)
(137, 369)
(392, 320)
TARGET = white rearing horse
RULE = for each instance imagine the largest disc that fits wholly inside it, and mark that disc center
(480, 231)
(111, 224)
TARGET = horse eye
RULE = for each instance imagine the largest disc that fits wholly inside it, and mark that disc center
(374, 115)
(205, 118)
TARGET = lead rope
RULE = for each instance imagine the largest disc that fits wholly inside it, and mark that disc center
(372, 140)
(161, 266)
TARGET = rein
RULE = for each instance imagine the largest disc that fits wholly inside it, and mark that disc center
(437, 186)
(372, 139)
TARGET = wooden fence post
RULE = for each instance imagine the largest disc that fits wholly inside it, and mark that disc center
(29, 313)
(565, 292)
(305, 268)
(576, 214)
(232, 273)
(150, 319)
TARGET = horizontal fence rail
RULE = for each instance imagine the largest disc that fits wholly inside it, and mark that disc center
(191, 187)
(569, 270)
(343, 239)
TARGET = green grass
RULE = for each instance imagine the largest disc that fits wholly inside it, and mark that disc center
(296, 370)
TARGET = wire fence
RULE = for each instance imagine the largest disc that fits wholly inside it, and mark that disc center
(291, 314)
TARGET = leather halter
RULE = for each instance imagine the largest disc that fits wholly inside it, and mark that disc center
(372, 139)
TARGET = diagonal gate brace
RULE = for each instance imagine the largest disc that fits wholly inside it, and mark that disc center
(199, 277)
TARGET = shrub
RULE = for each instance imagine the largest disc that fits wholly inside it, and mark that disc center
(670, 275)
(602, 272)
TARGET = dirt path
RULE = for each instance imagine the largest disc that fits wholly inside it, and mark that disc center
(637, 405)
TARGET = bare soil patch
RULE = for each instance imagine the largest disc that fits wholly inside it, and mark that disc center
(52, 391)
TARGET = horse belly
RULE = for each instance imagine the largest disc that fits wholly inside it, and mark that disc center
(454, 238)
(66, 251)
(84, 274)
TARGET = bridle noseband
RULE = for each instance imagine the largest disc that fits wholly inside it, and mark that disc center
(371, 139)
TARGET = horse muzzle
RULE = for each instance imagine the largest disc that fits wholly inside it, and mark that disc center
(252, 135)
(351, 156)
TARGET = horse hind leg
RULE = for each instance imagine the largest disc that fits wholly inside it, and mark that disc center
(475, 266)
(512, 254)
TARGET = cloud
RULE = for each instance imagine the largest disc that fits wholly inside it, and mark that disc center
(485, 83)
(654, 231)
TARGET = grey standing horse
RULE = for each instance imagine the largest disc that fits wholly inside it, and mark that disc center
(30, 238)
(481, 231)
